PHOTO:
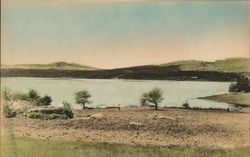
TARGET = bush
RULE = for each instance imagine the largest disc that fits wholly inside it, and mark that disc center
(64, 111)
(20, 96)
(9, 113)
(186, 105)
(44, 101)
(33, 95)
(35, 115)
(60, 113)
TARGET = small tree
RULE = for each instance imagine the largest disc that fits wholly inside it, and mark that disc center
(154, 96)
(82, 97)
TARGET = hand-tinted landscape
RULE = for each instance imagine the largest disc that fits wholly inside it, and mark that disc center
(124, 78)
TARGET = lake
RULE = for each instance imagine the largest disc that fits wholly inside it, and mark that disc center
(113, 92)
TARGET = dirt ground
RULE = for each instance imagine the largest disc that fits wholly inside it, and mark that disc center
(143, 126)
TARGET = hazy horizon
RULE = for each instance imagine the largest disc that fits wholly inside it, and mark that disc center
(122, 34)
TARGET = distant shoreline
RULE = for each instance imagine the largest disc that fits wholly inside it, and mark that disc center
(139, 73)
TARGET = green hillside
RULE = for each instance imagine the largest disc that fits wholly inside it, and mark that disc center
(56, 65)
(238, 65)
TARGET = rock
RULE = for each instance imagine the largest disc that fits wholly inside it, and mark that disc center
(135, 124)
(163, 117)
(96, 116)
(85, 118)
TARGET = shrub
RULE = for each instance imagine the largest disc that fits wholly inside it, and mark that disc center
(35, 115)
(44, 101)
(60, 113)
(186, 105)
(9, 113)
(20, 96)
(33, 95)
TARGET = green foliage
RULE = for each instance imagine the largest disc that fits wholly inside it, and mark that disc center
(82, 97)
(38, 115)
(47, 100)
(33, 95)
(60, 113)
(186, 105)
(44, 101)
(242, 85)
(9, 113)
(154, 96)
(20, 96)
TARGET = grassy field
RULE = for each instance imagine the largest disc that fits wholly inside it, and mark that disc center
(234, 98)
(30, 147)
(226, 65)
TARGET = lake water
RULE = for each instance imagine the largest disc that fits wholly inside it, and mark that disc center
(112, 92)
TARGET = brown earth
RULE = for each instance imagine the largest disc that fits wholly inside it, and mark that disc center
(143, 126)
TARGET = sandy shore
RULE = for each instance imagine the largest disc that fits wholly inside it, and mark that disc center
(143, 126)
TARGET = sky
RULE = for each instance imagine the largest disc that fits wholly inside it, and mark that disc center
(122, 33)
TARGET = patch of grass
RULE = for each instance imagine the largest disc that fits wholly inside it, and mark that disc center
(30, 147)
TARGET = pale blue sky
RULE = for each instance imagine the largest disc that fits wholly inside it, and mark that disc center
(117, 34)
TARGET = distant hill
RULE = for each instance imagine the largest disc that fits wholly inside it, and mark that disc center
(56, 65)
(237, 65)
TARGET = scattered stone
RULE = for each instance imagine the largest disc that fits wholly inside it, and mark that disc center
(135, 124)
(96, 116)
(163, 117)
(85, 118)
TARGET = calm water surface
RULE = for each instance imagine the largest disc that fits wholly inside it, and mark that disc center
(112, 92)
